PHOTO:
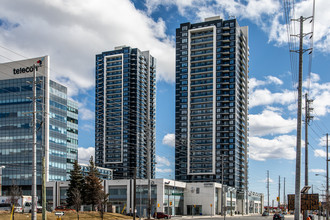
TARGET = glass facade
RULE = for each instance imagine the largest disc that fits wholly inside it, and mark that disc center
(211, 113)
(72, 135)
(57, 132)
(105, 173)
(125, 111)
(118, 197)
(173, 198)
(16, 130)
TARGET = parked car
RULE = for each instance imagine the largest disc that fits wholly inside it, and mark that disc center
(131, 214)
(278, 216)
(161, 215)
(5, 207)
(265, 213)
(62, 208)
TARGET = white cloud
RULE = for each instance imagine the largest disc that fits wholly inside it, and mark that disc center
(267, 14)
(275, 80)
(317, 170)
(169, 139)
(320, 153)
(86, 126)
(304, 8)
(322, 141)
(84, 154)
(270, 122)
(253, 82)
(162, 161)
(72, 32)
(86, 114)
(160, 170)
(283, 146)
(319, 93)
(265, 180)
(265, 97)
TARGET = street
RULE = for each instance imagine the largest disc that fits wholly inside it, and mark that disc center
(250, 217)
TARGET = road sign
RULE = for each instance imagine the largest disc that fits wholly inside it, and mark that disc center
(308, 201)
(177, 194)
(59, 213)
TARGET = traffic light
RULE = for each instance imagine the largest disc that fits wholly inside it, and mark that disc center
(278, 198)
(170, 203)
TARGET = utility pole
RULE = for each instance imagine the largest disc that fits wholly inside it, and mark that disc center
(268, 188)
(44, 204)
(307, 119)
(301, 36)
(1, 167)
(134, 199)
(149, 150)
(327, 179)
(34, 147)
(284, 197)
(149, 169)
(279, 192)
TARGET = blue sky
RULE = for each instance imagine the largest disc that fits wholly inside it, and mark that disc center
(72, 32)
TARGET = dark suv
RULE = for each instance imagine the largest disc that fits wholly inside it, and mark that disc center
(278, 216)
(161, 215)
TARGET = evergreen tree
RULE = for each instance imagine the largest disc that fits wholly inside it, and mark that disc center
(77, 200)
(76, 183)
(93, 185)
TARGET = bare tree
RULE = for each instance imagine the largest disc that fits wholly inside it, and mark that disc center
(15, 194)
(77, 200)
(103, 200)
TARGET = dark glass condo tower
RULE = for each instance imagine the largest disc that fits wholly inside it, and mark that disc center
(125, 111)
(211, 114)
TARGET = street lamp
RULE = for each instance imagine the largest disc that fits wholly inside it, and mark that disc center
(1, 167)
(326, 192)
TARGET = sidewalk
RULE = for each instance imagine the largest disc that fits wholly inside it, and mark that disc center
(209, 216)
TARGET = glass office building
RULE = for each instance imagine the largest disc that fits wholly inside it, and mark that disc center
(72, 135)
(16, 130)
(125, 111)
(211, 114)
